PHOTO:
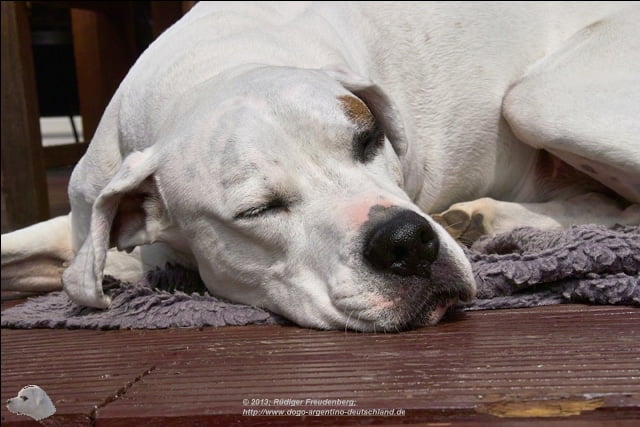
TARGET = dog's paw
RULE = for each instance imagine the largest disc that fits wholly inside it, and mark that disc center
(467, 222)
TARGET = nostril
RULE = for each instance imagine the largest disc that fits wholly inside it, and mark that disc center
(405, 245)
(399, 253)
(430, 245)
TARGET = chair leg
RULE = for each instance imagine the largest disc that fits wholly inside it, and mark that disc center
(24, 185)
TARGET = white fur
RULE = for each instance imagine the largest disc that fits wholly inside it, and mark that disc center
(32, 401)
(238, 102)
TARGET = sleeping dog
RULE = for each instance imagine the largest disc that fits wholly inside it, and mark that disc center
(291, 153)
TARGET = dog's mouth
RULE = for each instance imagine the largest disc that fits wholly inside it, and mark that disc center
(402, 313)
(413, 273)
(434, 315)
(436, 308)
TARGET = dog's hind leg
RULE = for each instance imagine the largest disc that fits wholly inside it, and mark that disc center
(468, 221)
(581, 103)
(33, 258)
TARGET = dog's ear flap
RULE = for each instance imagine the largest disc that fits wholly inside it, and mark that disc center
(128, 212)
(37, 395)
(381, 106)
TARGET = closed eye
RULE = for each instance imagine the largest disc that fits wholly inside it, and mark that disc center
(367, 142)
(272, 207)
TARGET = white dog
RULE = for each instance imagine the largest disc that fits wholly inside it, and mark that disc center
(290, 152)
(32, 401)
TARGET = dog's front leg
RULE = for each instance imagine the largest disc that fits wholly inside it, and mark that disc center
(470, 220)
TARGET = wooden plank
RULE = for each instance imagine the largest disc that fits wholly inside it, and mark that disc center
(570, 365)
(187, 5)
(108, 8)
(24, 189)
(56, 156)
(57, 182)
(104, 48)
(163, 15)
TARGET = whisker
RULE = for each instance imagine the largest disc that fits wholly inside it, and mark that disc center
(453, 224)
(346, 325)
(359, 322)
(465, 241)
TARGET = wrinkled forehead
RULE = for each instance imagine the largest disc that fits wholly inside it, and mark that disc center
(288, 109)
(258, 119)
(303, 99)
(306, 94)
(280, 136)
(268, 100)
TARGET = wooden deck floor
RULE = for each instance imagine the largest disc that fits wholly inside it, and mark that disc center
(564, 365)
(577, 365)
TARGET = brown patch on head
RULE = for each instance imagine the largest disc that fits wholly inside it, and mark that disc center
(356, 111)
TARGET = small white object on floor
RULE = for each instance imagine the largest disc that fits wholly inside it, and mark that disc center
(33, 402)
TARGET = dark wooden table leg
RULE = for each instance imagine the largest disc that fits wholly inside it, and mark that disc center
(24, 187)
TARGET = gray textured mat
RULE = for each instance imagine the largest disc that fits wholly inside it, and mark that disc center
(523, 268)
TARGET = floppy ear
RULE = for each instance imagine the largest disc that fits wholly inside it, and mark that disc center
(37, 396)
(127, 213)
(381, 106)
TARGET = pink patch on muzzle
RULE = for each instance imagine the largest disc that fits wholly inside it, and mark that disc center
(380, 303)
(358, 213)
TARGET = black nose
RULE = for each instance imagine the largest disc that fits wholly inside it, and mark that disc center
(405, 245)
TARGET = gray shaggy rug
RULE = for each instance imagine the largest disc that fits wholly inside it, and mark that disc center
(522, 268)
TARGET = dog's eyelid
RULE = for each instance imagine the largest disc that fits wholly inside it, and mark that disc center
(367, 142)
(273, 206)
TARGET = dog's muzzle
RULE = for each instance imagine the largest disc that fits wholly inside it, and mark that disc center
(405, 245)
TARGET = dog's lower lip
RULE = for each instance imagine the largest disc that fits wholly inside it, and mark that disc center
(441, 309)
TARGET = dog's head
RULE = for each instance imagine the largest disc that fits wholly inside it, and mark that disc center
(286, 186)
(33, 402)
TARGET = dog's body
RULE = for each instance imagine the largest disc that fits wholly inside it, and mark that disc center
(250, 142)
